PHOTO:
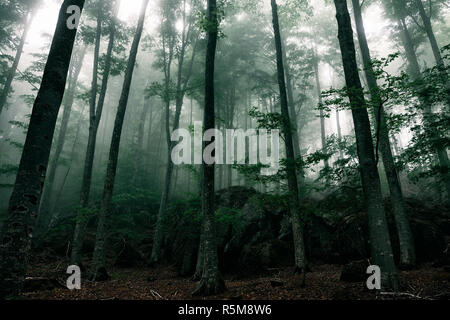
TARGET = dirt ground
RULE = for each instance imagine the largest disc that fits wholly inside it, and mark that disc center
(163, 283)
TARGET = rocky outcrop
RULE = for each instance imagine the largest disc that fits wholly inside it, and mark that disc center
(254, 233)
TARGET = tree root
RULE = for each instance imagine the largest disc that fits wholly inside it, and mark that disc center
(210, 287)
(197, 276)
(99, 275)
(302, 272)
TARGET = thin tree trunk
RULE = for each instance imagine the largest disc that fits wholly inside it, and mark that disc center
(338, 119)
(407, 252)
(441, 151)
(211, 282)
(190, 125)
(158, 153)
(378, 229)
(414, 69)
(180, 93)
(148, 162)
(296, 220)
(24, 202)
(139, 148)
(322, 116)
(200, 256)
(94, 121)
(408, 44)
(291, 102)
(339, 133)
(98, 268)
(72, 157)
(429, 31)
(12, 72)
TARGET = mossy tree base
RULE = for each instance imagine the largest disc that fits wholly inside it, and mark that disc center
(210, 287)
(301, 271)
(99, 275)
(196, 277)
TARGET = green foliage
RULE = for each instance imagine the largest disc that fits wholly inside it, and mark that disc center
(420, 105)
(33, 74)
(165, 91)
(269, 121)
(205, 25)
(229, 216)
(85, 214)
(344, 172)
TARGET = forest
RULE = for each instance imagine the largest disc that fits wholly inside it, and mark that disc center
(224, 149)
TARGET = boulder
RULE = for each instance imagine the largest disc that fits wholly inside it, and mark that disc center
(259, 258)
(258, 224)
(234, 197)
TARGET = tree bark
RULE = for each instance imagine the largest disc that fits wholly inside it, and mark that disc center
(190, 125)
(98, 268)
(322, 116)
(406, 241)
(429, 31)
(12, 72)
(94, 121)
(378, 229)
(25, 198)
(339, 133)
(442, 154)
(211, 282)
(296, 219)
(139, 147)
(200, 256)
(414, 69)
(148, 162)
(180, 93)
(45, 213)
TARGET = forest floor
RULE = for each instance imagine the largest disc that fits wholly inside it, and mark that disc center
(163, 283)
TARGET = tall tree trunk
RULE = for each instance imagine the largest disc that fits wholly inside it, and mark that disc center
(94, 121)
(200, 256)
(148, 162)
(211, 282)
(12, 72)
(25, 198)
(408, 44)
(98, 268)
(414, 69)
(180, 93)
(296, 219)
(429, 31)
(322, 116)
(378, 229)
(190, 125)
(293, 113)
(45, 213)
(72, 159)
(339, 133)
(407, 252)
(441, 151)
(139, 147)
(158, 154)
